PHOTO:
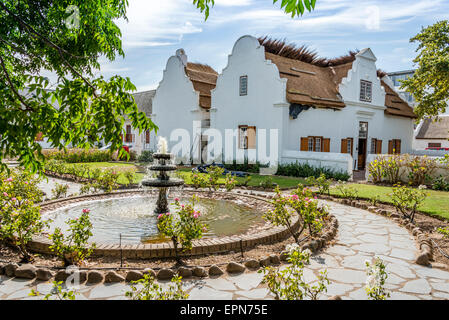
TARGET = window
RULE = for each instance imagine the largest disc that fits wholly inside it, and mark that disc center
(434, 145)
(373, 146)
(366, 90)
(394, 146)
(315, 144)
(363, 130)
(347, 145)
(147, 136)
(244, 85)
(247, 137)
(376, 146)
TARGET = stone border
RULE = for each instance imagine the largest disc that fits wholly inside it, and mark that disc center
(41, 244)
(425, 245)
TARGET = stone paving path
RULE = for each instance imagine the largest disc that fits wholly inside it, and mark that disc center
(362, 235)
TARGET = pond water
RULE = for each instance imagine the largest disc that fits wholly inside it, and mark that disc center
(133, 218)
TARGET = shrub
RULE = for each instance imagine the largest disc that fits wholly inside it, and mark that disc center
(376, 169)
(444, 232)
(440, 184)
(391, 168)
(73, 250)
(246, 181)
(375, 283)
(199, 180)
(215, 173)
(347, 191)
(182, 227)
(146, 156)
(108, 181)
(421, 169)
(289, 283)
(305, 170)
(267, 183)
(407, 200)
(245, 166)
(130, 176)
(57, 292)
(20, 217)
(60, 190)
(152, 291)
(78, 155)
(230, 182)
(321, 182)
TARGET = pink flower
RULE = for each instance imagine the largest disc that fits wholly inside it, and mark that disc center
(182, 206)
(26, 182)
(195, 215)
(86, 210)
(9, 180)
(14, 199)
(295, 197)
(176, 199)
(315, 197)
(167, 214)
(160, 216)
(204, 229)
(5, 194)
(307, 199)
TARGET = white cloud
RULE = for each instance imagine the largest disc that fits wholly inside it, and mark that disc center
(233, 3)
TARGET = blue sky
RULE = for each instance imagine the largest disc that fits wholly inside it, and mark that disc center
(156, 28)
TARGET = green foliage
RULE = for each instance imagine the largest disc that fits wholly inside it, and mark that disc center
(289, 283)
(230, 182)
(60, 190)
(245, 166)
(444, 232)
(321, 182)
(81, 110)
(246, 181)
(57, 292)
(150, 290)
(78, 155)
(305, 170)
(215, 173)
(375, 283)
(182, 227)
(199, 180)
(20, 217)
(420, 169)
(407, 200)
(293, 7)
(375, 199)
(430, 83)
(108, 181)
(72, 249)
(267, 183)
(347, 191)
(130, 176)
(440, 183)
(146, 156)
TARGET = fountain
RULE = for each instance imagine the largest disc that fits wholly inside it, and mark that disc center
(163, 181)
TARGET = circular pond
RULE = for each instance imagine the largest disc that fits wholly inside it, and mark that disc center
(133, 218)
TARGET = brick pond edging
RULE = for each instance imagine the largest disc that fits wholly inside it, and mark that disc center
(424, 243)
(271, 234)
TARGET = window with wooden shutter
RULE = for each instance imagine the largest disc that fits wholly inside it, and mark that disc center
(347, 145)
(379, 147)
(394, 146)
(304, 144)
(326, 145)
(251, 137)
(390, 147)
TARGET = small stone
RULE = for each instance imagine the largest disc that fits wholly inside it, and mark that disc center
(423, 259)
(44, 274)
(215, 271)
(2, 269)
(416, 231)
(265, 262)
(113, 277)
(252, 264)
(165, 274)
(10, 269)
(185, 272)
(335, 298)
(26, 271)
(274, 259)
(150, 271)
(234, 267)
(314, 245)
(82, 274)
(61, 275)
(199, 272)
(133, 275)
(95, 276)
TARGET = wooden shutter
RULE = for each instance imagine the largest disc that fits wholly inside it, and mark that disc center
(251, 137)
(147, 136)
(352, 146)
(398, 147)
(344, 145)
(390, 147)
(326, 145)
(304, 144)
(378, 146)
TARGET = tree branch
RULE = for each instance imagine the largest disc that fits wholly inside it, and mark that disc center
(11, 85)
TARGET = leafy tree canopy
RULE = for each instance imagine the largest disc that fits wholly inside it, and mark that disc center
(430, 83)
(293, 7)
(66, 37)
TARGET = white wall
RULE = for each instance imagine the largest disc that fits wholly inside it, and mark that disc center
(175, 104)
(265, 106)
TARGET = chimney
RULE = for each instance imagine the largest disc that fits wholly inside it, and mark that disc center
(181, 54)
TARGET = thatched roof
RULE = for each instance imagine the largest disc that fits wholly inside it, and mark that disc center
(395, 105)
(314, 81)
(144, 101)
(204, 79)
(431, 129)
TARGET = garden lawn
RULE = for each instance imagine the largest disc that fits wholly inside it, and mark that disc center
(436, 203)
(117, 166)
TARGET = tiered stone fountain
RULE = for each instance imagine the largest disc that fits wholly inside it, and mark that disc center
(163, 180)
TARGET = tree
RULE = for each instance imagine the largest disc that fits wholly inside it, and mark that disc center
(430, 83)
(293, 7)
(66, 37)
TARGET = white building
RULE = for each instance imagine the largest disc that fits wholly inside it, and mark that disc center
(326, 114)
(280, 104)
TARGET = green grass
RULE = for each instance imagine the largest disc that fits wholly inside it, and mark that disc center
(437, 202)
(117, 166)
